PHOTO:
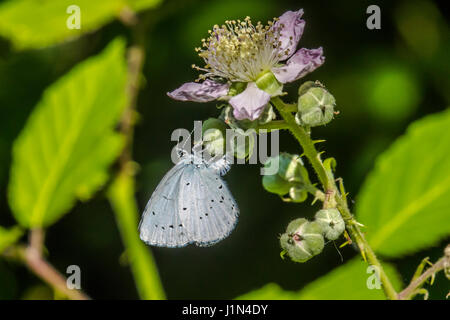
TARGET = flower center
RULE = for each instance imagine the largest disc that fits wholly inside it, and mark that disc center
(240, 51)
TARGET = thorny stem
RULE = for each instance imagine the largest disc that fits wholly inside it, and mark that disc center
(412, 289)
(273, 125)
(31, 256)
(328, 182)
(317, 193)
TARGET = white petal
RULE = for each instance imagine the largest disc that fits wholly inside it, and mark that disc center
(301, 63)
(250, 103)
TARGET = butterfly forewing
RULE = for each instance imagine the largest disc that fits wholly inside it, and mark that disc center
(161, 224)
(207, 208)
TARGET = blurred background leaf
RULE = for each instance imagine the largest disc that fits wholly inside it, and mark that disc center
(68, 143)
(9, 237)
(424, 30)
(392, 93)
(38, 292)
(347, 282)
(404, 203)
(270, 291)
(40, 23)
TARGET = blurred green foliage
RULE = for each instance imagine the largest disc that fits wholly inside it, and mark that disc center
(347, 282)
(392, 93)
(382, 80)
(9, 237)
(121, 196)
(68, 143)
(21, 19)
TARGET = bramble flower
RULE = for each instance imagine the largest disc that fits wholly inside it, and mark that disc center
(243, 63)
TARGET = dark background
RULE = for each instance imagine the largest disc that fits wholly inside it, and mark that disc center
(382, 80)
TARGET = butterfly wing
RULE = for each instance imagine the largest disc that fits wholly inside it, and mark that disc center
(160, 224)
(207, 208)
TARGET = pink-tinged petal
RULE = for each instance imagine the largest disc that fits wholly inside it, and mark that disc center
(291, 29)
(206, 91)
(301, 63)
(250, 103)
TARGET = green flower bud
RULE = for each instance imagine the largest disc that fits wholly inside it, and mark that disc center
(294, 225)
(275, 184)
(315, 107)
(331, 222)
(269, 84)
(292, 168)
(214, 134)
(311, 234)
(306, 86)
(290, 177)
(302, 240)
(298, 194)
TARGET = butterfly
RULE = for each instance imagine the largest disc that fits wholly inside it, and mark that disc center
(191, 204)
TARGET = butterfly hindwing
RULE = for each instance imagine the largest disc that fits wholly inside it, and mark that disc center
(161, 224)
(207, 208)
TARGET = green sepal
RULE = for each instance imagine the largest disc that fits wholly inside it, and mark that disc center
(331, 223)
(269, 84)
(291, 177)
(315, 107)
(302, 240)
(298, 194)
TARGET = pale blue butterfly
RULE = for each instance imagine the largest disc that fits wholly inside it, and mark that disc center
(191, 204)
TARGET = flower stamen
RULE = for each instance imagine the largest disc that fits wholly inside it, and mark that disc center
(239, 51)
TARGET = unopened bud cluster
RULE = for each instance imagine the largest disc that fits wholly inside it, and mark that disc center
(304, 239)
(290, 180)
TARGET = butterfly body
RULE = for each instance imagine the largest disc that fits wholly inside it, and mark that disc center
(191, 204)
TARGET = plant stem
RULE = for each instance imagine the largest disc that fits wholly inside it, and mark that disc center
(306, 143)
(317, 193)
(143, 266)
(122, 190)
(48, 273)
(31, 256)
(273, 125)
(328, 182)
(411, 290)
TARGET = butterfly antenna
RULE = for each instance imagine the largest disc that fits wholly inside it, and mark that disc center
(181, 150)
(337, 249)
(190, 136)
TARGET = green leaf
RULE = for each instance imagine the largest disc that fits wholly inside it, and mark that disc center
(404, 202)
(270, 291)
(143, 266)
(40, 23)
(347, 282)
(68, 143)
(9, 236)
(138, 5)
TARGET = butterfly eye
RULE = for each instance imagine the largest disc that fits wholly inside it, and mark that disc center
(181, 153)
